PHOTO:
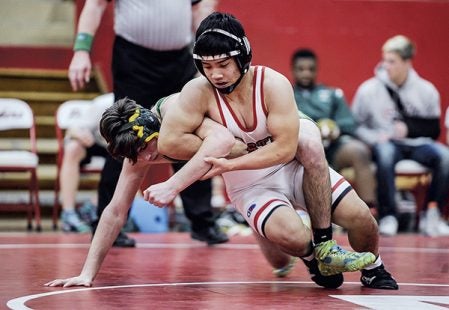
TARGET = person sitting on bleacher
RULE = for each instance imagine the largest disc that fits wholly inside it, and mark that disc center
(81, 143)
(327, 106)
(398, 114)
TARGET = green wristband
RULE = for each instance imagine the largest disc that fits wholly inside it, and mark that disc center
(83, 42)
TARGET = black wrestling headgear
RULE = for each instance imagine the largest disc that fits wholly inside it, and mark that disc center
(222, 36)
(144, 123)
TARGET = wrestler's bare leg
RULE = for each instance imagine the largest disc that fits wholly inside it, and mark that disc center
(316, 181)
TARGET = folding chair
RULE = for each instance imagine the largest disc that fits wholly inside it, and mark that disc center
(69, 114)
(412, 176)
(17, 121)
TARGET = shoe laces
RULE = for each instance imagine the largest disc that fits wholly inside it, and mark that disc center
(323, 249)
(334, 249)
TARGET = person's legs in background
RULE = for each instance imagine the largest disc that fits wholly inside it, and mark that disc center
(74, 152)
(436, 157)
(386, 155)
(355, 154)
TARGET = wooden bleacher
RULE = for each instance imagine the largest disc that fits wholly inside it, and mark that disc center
(44, 90)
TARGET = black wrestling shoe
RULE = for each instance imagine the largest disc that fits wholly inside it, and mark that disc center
(123, 241)
(378, 278)
(333, 281)
(211, 235)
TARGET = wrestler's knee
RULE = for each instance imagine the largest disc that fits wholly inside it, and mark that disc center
(290, 236)
(310, 152)
(354, 215)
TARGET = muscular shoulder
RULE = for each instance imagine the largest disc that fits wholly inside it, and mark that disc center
(278, 93)
(197, 88)
(276, 84)
(196, 94)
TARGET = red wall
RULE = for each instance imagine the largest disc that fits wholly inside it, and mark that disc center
(347, 35)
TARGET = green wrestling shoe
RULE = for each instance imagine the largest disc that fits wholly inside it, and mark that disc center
(284, 271)
(332, 259)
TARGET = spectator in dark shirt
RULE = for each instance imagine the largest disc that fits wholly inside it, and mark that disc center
(327, 106)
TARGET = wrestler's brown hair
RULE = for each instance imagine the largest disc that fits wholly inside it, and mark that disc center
(116, 126)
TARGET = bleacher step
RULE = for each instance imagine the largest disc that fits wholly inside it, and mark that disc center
(44, 90)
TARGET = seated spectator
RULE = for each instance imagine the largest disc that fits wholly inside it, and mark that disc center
(398, 114)
(81, 143)
(327, 106)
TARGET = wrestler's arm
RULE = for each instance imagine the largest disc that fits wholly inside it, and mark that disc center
(282, 123)
(112, 220)
(180, 121)
(215, 140)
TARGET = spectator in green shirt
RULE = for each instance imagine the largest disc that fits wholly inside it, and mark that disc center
(327, 106)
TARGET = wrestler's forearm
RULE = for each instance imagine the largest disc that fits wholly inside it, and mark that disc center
(267, 156)
(107, 231)
(114, 216)
(212, 146)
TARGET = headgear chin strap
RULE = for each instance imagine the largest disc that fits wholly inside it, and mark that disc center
(242, 54)
(144, 123)
(230, 89)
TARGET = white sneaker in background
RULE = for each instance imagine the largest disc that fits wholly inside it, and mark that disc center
(422, 223)
(443, 228)
(437, 225)
(388, 226)
(432, 222)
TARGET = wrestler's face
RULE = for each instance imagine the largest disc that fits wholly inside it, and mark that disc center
(149, 151)
(221, 72)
